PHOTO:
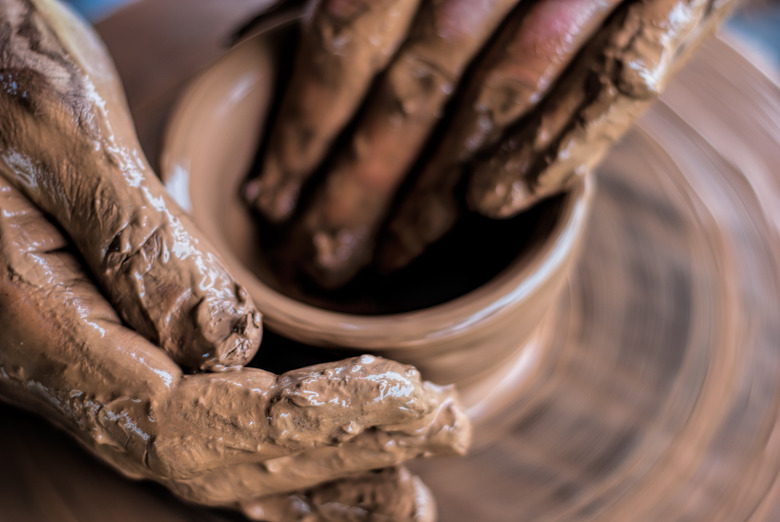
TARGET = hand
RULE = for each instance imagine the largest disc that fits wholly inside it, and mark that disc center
(80, 206)
(512, 99)
(69, 146)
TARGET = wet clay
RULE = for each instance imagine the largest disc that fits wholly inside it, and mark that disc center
(593, 433)
(72, 150)
(218, 439)
(554, 88)
(216, 128)
(614, 80)
(514, 74)
(234, 439)
(335, 232)
(344, 45)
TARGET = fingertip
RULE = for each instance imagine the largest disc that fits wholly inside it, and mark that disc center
(231, 335)
(335, 256)
(461, 430)
(280, 206)
(449, 430)
(276, 201)
(500, 199)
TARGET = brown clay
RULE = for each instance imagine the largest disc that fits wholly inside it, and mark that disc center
(233, 439)
(335, 232)
(72, 150)
(512, 77)
(218, 439)
(617, 76)
(646, 405)
(344, 45)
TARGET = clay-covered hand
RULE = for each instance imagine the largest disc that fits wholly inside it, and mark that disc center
(106, 289)
(68, 144)
(238, 439)
(226, 439)
(488, 104)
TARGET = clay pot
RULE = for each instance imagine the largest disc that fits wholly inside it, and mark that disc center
(483, 341)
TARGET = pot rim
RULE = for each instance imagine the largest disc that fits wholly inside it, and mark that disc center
(517, 283)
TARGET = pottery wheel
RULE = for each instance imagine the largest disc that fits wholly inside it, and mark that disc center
(657, 398)
(658, 391)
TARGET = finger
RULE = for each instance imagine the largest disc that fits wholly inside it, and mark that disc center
(70, 147)
(517, 71)
(618, 75)
(362, 392)
(387, 495)
(391, 132)
(241, 417)
(443, 433)
(343, 47)
(370, 392)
